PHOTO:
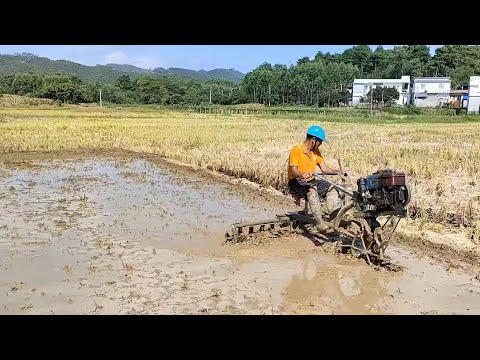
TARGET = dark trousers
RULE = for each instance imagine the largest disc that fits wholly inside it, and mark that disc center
(301, 187)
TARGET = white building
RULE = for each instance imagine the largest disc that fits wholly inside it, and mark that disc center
(361, 87)
(431, 91)
(474, 95)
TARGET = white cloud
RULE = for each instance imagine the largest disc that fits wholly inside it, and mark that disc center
(143, 61)
(203, 62)
(147, 62)
(116, 57)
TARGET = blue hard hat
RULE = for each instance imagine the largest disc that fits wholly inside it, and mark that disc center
(317, 131)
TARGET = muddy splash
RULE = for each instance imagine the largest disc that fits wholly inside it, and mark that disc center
(124, 235)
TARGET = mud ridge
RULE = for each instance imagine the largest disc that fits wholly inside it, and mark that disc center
(440, 252)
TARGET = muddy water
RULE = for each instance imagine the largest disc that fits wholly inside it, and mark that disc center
(125, 199)
(116, 236)
(346, 287)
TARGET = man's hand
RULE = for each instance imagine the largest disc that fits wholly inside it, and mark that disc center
(344, 172)
(306, 176)
(328, 170)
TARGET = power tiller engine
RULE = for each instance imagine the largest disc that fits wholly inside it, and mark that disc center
(383, 193)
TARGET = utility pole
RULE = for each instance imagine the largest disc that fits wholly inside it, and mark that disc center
(210, 96)
(269, 92)
(100, 97)
(371, 100)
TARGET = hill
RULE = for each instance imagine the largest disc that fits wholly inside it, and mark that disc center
(223, 74)
(21, 63)
(128, 68)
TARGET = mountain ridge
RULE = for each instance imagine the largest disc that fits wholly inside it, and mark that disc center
(108, 73)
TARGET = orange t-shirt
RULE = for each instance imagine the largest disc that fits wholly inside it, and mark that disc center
(306, 160)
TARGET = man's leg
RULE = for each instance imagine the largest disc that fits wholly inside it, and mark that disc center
(316, 206)
(321, 186)
(297, 191)
(297, 199)
(309, 192)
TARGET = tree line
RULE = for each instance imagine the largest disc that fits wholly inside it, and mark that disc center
(146, 89)
(321, 81)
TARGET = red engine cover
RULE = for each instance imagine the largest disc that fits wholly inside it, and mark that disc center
(391, 178)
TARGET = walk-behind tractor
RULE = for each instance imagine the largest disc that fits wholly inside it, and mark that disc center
(345, 216)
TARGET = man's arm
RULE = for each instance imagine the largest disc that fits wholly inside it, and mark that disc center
(327, 169)
(298, 174)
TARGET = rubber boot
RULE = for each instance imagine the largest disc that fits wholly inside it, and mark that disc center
(316, 208)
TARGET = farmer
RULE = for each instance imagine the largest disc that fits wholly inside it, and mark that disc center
(302, 163)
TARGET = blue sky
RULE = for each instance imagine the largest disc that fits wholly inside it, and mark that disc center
(240, 57)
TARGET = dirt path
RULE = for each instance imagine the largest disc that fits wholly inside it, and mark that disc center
(117, 235)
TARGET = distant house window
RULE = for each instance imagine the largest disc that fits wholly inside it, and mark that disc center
(358, 88)
(405, 87)
(441, 86)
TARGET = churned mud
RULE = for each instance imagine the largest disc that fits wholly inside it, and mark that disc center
(125, 235)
